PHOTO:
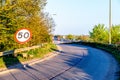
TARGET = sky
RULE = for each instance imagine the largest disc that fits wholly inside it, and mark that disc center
(78, 17)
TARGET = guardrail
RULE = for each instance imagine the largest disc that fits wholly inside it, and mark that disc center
(6, 53)
(19, 50)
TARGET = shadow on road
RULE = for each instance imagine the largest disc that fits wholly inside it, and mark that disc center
(72, 59)
(63, 67)
(11, 61)
(55, 50)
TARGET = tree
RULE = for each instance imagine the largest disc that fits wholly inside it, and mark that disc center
(8, 24)
(70, 37)
(15, 14)
(99, 34)
(83, 37)
(115, 34)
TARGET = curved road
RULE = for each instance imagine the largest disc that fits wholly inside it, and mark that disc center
(75, 62)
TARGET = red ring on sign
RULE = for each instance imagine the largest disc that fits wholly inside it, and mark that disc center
(20, 30)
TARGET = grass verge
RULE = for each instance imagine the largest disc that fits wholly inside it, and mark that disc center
(6, 61)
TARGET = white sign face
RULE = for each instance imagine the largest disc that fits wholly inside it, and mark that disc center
(23, 35)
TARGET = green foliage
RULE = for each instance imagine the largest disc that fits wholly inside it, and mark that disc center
(16, 14)
(37, 53)
(70, 37)
(115, 32)
(83, 37)
(99, 34)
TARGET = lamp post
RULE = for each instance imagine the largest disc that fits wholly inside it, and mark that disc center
(110, 22)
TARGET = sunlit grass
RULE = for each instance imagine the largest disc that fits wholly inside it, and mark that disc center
(37, 53)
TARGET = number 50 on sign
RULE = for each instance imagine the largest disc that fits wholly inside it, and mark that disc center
(23, 35)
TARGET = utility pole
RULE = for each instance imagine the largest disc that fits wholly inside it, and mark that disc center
(110, 22)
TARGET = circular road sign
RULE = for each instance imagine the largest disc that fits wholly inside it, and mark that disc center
(23, 35)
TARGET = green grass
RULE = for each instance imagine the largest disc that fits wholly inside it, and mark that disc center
(7, 61)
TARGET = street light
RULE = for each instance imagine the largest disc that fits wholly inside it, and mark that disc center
(110, 23)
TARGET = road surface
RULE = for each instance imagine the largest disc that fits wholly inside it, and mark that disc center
(75, 62)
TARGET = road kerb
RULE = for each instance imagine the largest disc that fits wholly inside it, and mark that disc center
(31, 62)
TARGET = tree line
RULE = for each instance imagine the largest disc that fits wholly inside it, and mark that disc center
(16, 14)
(99, 34)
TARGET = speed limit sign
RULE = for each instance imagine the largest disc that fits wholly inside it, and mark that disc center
(23, 35)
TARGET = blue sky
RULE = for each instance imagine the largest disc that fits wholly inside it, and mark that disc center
(79, 16)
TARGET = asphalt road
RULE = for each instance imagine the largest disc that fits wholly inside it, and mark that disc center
(75, 62)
